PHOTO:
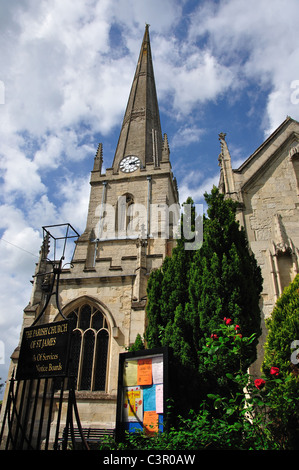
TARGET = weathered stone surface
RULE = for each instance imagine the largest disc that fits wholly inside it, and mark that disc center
(266, 185)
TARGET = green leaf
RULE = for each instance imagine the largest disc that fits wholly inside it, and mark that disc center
(229, 376)
(212, 396)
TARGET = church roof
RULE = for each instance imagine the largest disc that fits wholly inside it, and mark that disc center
(277, 144)
(266, 143)
(141, 134)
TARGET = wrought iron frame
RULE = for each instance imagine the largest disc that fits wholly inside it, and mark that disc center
(23, 395)
(56, 265)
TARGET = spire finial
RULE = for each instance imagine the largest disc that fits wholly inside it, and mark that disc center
(98, 159)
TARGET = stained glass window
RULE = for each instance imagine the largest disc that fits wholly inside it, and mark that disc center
(90, 346)
(101, 359)
(87, 360)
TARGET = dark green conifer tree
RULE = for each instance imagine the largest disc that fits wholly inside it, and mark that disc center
(225, 281)
(193, 291)
(167, 296)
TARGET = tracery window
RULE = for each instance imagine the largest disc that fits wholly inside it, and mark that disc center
(90, 344)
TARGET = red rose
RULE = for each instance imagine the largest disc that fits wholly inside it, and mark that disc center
(274, 371)
(214, 336)
(237, 327)
(239, 334)
(227, 321)
(259, 383)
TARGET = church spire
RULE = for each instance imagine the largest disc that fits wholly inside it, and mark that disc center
(141, 134)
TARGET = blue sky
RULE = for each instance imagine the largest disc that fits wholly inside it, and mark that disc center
(66, 71)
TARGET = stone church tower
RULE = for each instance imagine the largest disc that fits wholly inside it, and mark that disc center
(127, 235)
(266, 186)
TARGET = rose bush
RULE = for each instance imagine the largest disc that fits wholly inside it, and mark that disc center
(228, 418)
(254, 414)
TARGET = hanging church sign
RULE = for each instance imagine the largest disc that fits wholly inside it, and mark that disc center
(142, 391)
(45, 351)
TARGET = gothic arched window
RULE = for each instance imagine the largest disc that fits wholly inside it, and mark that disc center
(89, 352)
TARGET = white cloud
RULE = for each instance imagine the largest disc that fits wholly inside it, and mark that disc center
(75, 194)
(19, 249)
(194, 184)
(188, 75)
(21, 239)
(19, 173)
(161, 17)
(259, 41)
(61, 68)
(59, 148)
(186, 135)
(200, 79)
(42, 212)
(49, 154)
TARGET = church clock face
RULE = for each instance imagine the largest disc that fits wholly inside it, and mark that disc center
(129, 164)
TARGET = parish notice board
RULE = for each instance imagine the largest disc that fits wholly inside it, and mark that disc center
(142, 390)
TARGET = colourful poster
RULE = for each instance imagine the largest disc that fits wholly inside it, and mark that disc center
(159, 398)
(133, 404)
(130, 373)
(150, 422)
(144, 372)
(157, 366)
(149, 398)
